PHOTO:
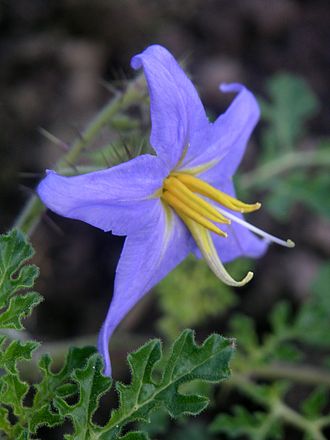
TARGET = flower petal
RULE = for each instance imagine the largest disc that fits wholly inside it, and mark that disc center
(225, 142)
(146, 258)
(116, 199)
(177, 114)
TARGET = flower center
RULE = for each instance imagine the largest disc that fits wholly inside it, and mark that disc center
(183, 193)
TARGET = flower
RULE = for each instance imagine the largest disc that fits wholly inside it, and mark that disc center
(179, 201)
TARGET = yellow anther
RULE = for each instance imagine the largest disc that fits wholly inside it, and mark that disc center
(194, 202)
(181, 207)
(201, 187)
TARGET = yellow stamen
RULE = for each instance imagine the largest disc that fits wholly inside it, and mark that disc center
(194, 202)
(182, 208)
(209, 252)
(201, 187)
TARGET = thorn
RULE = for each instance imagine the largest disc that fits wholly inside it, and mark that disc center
(78, 133)
(52, 224)
(53, 139)
(105, 159)
(117, 154)
(128, 152)
(26, 189)
(109, 87)
(73, 166)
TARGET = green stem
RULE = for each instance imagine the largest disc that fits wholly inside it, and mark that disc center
(30, 216)
(295, 419)
(306, 374)
(278, 408)
(285, 163)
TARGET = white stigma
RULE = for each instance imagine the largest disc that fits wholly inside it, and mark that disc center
(257, 231)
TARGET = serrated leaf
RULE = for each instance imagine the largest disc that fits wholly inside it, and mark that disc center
(14, 252)
(56, 385)
(187, 362)
(5, 425)
(19, 308)
(137, 400)
(92, 385)
(16, 351)
(12, 393)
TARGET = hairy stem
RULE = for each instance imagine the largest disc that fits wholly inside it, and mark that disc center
(285, 163)
(277, 407)
(305, 374)
(31, 214)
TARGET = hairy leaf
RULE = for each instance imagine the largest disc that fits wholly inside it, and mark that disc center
(137, 400)
(15, 250)
(92, 385)
(56, 385)
(19, 308)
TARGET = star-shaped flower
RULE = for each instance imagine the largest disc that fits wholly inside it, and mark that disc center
(180, 201)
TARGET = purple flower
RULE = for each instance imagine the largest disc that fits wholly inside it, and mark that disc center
(180, 201)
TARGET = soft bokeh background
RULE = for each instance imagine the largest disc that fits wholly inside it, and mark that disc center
(56, 60)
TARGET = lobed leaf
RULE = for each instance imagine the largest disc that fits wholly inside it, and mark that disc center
(146, 392)
(14, 252)
(92, 385)
(19, 308)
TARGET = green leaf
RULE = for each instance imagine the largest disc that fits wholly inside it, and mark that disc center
(312, 407)
(56, 386)
(187, 362)
(12, 393)
(292, 102)
(14, 252)
(137, 400)
(19, 308)
(5, 425)
(15, 352)
(92, 385)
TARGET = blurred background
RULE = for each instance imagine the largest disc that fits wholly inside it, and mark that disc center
(62, 60)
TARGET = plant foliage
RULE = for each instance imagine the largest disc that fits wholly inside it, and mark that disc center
(156, 379)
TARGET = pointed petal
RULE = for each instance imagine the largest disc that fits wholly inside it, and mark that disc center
(146, 258)
(177, 114)
(116, 199)
(226, 139)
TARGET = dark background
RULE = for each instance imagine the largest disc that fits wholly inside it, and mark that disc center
(55, 56)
